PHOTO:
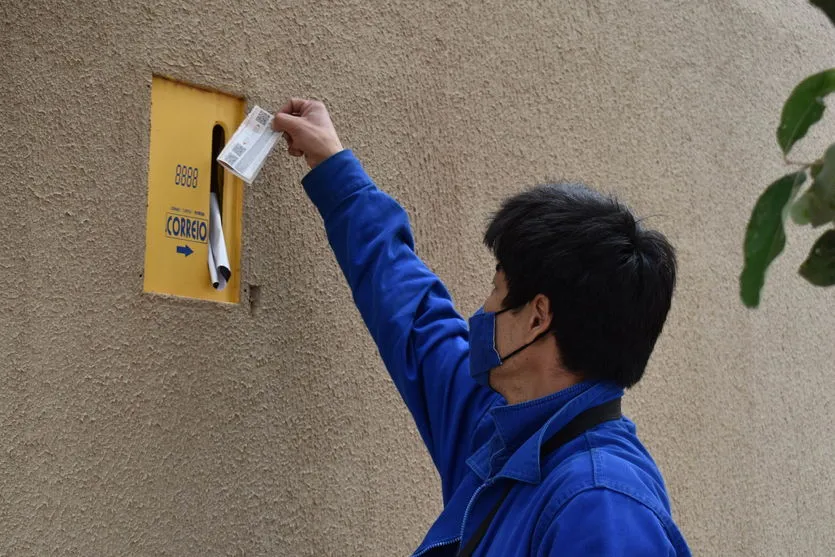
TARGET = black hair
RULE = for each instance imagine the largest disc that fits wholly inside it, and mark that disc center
(610, 281)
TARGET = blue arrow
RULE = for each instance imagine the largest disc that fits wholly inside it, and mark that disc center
(185, 250)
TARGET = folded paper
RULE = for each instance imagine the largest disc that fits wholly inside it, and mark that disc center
(246, 152)
(219, 269)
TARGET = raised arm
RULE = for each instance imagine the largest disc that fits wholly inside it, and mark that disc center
(407, 309)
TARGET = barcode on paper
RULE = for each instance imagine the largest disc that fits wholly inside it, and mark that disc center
(263, 118)
(249, 146)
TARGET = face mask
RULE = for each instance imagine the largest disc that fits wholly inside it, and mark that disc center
(483, 354)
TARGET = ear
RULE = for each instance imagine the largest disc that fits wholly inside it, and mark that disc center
(540, 320)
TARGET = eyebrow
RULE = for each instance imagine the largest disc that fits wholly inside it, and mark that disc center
(498, 267)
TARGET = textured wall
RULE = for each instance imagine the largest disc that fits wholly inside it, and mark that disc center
(141, 425)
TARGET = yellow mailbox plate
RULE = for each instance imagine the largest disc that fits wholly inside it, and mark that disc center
(179, 183)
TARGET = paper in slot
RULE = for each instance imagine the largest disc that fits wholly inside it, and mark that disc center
(249, 146)
(219, 270)
(218, 282)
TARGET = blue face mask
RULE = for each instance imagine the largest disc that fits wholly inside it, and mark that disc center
(483, 353)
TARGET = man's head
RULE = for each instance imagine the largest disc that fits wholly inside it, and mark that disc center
(578, 271)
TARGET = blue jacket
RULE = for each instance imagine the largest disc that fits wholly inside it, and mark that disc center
(599, 494)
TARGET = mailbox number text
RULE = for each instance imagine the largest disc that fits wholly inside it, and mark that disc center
(185, 176)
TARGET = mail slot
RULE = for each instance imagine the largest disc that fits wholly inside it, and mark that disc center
(188, 128)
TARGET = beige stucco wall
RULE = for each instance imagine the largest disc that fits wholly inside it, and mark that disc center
(141, 425)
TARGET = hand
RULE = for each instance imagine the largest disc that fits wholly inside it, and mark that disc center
(308, 129)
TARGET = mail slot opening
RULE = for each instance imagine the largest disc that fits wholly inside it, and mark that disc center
(218, 141)
(219, 268)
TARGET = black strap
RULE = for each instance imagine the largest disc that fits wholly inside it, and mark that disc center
(580, 424)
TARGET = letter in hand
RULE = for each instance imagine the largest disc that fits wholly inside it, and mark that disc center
(308, 129)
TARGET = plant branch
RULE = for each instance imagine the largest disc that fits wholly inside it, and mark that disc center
(805, 165)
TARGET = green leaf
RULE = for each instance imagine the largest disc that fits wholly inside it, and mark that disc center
(819, 267)
(765, 238)
(803, 108)
(827, 6)
(817, 204)
(815, 169)
(810, 209)
(824, 177)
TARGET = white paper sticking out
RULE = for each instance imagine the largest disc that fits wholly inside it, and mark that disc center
(218, 258)
(245, 153)
(218, 282)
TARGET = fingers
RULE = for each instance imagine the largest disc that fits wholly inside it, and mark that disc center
(294, 107)
(308, 129)
(287, 123)
(291, 149)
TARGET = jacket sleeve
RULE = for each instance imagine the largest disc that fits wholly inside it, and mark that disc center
(605, 523)
(421, 338)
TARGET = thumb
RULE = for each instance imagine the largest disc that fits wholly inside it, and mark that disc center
(287, 123)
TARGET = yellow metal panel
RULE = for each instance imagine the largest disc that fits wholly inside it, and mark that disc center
(179, 182)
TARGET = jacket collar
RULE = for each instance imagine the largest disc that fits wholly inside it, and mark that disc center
(520, 429)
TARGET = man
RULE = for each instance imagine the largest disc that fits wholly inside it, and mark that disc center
(520, 408)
